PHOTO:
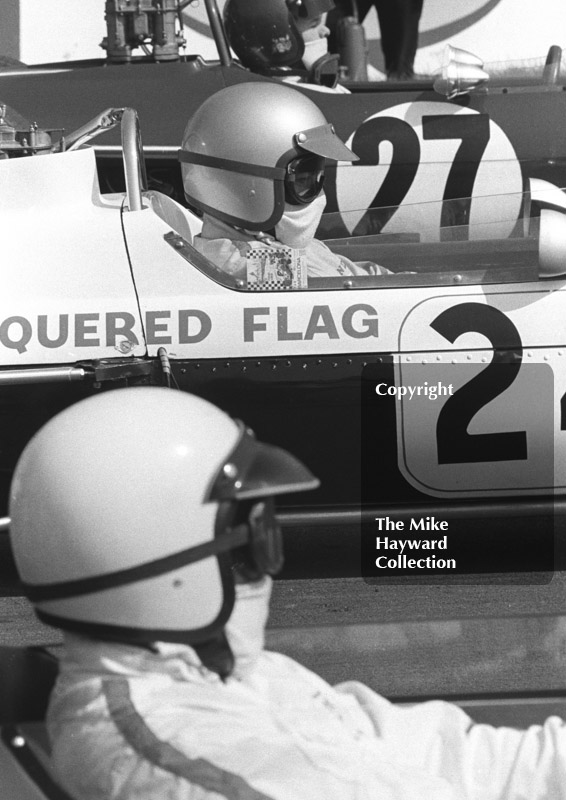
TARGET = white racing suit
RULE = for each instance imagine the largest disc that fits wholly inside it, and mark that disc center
(155, 724)
(228, 247)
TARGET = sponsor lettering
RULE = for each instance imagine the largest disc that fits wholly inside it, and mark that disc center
(184, 326)
(358, 321)
(91, 329)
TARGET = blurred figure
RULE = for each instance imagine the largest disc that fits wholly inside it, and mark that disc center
(143, 526)
(284, 39)
(399, 27)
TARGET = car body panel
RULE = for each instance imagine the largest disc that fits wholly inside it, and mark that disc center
(416, 146)
(68, 291)
(291, 363)
(118, 286)
(313, 344)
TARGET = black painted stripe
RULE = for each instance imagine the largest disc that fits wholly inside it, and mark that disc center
(141, 738)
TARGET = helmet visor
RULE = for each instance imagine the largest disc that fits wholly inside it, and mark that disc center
(304, 179)
(323, 141)
(254, 469)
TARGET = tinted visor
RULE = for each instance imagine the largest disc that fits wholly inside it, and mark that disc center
(254, 469)
(304, 179)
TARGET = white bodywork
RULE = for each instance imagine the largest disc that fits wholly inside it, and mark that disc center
(86, 279)
(68, 290)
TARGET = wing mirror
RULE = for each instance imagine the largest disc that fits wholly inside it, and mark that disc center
(461, 72)
(552, 226)
(547, 194)
(552, 243)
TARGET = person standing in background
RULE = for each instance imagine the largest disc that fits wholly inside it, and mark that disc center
(399, 26)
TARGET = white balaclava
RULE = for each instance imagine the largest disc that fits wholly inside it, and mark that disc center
(315, 49)
(245, 630)
(298, 225)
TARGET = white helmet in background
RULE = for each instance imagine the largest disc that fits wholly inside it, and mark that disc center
(130, 509)
(252, 147)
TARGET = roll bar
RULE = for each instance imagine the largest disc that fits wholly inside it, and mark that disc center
(134, 164)
(217, 28)
(218, 32)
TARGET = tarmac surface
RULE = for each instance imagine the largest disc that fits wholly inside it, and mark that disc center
(421, 641)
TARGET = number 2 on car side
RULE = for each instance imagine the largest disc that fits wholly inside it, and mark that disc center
(501, 430)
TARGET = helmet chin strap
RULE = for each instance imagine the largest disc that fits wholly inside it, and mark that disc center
(235, 649)
(216, 655)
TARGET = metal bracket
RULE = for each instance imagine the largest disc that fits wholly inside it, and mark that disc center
(196, 259)
(139, 370)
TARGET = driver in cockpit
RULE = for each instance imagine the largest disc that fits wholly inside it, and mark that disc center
(253, 159)
(143, 526)
(284, 39)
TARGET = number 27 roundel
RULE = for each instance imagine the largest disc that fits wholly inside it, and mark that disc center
(478, 417)
(425, 166)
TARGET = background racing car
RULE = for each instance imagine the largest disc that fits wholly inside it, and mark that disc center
(104, 290)
(423, 144)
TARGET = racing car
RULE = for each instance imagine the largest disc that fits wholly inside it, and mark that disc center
(433, 394)
(436, 391)
(423, 144)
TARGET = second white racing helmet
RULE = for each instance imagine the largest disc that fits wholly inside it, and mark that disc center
(251, 148)
(132, 510)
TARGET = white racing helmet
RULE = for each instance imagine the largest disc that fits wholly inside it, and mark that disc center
(252, 147)
(130, 509)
